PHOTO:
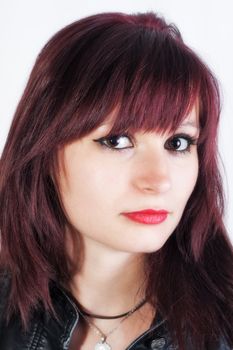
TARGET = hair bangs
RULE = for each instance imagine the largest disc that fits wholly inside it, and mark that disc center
(156, 89)
(145, 80)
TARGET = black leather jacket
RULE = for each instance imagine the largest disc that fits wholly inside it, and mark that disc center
(47, 333)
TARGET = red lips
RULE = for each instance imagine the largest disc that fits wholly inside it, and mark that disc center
(148, 216)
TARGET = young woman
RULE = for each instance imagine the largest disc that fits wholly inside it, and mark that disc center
(112, 233)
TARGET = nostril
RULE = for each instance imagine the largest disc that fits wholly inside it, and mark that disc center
(158, 186)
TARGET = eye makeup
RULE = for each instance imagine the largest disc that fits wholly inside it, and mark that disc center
(179, 143)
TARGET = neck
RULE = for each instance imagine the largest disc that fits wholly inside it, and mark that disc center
(109, 282)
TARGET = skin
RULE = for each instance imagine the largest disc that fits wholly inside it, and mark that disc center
(96, 186)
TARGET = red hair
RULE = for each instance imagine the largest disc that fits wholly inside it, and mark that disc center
(139, 65)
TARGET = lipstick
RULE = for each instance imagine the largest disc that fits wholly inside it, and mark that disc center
(148, 216)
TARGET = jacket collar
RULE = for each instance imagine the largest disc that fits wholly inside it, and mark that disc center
(68, 316)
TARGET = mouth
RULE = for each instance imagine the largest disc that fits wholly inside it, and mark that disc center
(148, 216)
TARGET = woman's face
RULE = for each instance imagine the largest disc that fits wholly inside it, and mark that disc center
(99, 182)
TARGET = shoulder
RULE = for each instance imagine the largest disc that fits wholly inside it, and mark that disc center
(45, 330)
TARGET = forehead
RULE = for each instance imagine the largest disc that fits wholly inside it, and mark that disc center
(192, 118)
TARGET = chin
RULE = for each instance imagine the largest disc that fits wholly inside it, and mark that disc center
(150, 247)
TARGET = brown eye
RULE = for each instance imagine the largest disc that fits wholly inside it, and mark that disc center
(116, 142)
(180, 143)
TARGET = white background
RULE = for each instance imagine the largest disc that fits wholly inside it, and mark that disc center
(206, 26)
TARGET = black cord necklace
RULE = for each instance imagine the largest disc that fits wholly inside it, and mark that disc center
(113, 317)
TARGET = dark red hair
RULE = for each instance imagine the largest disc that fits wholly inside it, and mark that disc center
(139, 65)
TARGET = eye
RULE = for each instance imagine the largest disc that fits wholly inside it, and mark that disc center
(180, 143)
(116, 142)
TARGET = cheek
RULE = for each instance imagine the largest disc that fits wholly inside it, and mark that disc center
(91, 187)
(184, 178)
(187, 183)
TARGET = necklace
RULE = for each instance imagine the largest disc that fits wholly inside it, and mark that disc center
(138, 306)
(102, 344)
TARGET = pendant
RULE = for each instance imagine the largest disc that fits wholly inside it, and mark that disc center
(102, 346)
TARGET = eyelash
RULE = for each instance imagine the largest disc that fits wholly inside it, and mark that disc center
(190, 140)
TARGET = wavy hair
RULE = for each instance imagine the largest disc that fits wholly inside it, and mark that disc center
(140, 66)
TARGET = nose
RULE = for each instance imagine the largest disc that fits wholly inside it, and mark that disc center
(153, 174)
